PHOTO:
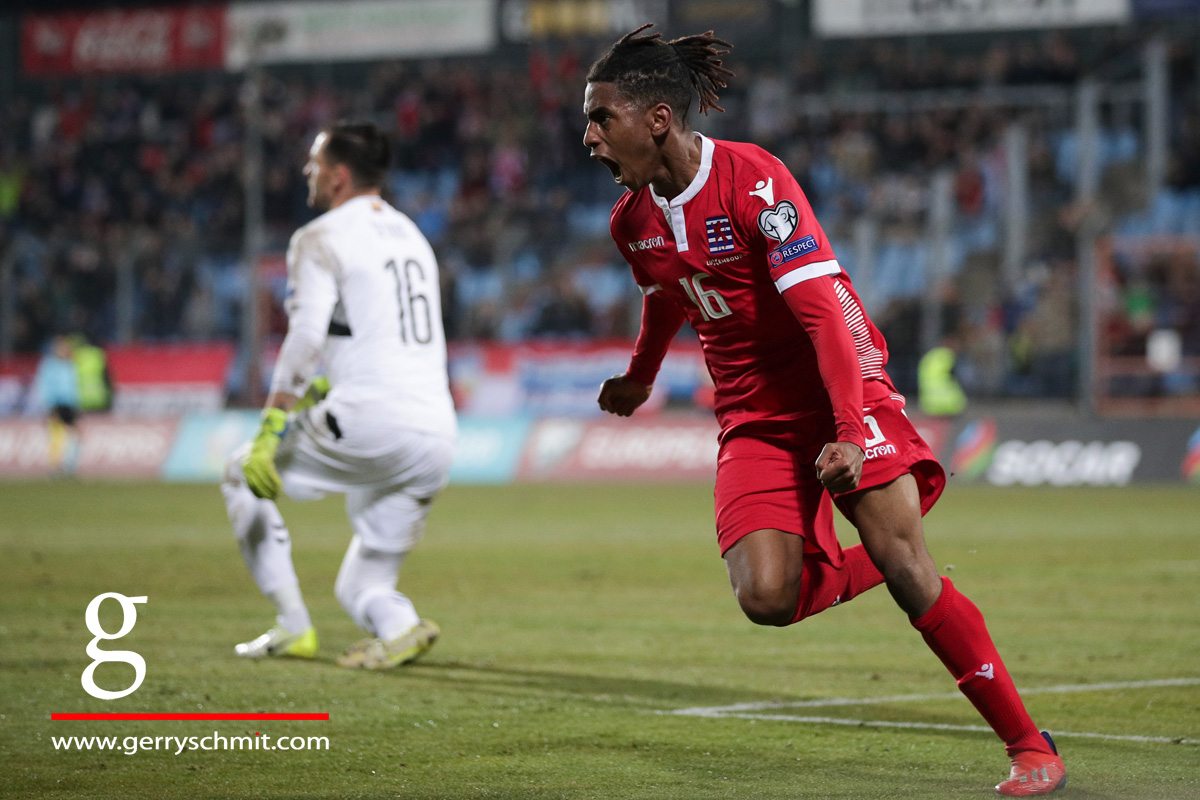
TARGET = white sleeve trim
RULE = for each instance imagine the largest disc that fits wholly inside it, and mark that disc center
(807, 273)
(650, 289)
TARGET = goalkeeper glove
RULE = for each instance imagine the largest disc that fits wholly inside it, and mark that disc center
(259, 465)
(315, 394)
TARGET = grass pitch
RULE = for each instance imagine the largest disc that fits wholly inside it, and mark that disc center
(574, 619)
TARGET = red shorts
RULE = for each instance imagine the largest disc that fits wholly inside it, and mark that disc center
(764, 484)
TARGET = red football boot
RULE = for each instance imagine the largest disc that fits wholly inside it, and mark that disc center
(1035, 774)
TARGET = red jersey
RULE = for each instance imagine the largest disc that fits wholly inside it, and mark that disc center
(724, 251)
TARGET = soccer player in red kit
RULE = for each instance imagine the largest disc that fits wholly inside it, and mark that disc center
(720, 234)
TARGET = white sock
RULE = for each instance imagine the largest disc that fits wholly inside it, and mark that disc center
(292, 614)
(391, 615)
(266, 548)
(366, 588)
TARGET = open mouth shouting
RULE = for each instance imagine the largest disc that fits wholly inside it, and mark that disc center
(612, 165)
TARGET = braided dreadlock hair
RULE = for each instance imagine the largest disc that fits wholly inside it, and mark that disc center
(650, 70)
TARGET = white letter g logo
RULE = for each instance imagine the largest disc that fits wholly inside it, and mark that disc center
(98, 656)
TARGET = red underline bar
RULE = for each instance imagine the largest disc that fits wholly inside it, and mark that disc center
(233, 716)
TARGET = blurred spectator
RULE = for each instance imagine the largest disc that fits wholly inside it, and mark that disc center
(91, 374)
(56, 394)
(564, 311)
(1052, 332)
(938, 391)
(145, 176)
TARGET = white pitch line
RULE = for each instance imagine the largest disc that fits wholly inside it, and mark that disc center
(740, 710)
(710, 711)
(866, 723)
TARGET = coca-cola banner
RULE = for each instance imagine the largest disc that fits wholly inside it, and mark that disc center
(123, 41)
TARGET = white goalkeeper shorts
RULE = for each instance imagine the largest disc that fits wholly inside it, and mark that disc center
(388, 475)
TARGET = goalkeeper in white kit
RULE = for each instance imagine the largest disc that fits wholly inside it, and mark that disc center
(363, 297)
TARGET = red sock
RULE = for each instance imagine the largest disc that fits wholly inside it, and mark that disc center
(822, 586)
(955, 631)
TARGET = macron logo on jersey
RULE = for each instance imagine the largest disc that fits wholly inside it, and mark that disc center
(765, 190)
(646, 244)
(720, 235)
(785, 253)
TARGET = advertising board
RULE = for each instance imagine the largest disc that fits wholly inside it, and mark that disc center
(358, 29)
(108, 448)
(1015, 451)
(662, 448)
(168, 39)
(835, 18)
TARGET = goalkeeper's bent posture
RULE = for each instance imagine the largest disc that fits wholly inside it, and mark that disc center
(379, 427)
(720, 234)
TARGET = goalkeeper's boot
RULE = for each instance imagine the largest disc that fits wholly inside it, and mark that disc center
(380, 654)
(279, 643)
(1035, 773)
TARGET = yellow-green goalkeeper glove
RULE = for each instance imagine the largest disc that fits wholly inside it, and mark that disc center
(259, 465)
(315, 394)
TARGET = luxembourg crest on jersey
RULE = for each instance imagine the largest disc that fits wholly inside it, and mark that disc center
(720, 235)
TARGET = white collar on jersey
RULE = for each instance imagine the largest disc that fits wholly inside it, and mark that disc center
(693, 189)
(673, 210)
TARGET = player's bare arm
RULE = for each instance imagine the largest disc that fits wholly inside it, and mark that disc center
(622, 395)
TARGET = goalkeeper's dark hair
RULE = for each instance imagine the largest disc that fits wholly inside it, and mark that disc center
(650, 70)
(363, 148)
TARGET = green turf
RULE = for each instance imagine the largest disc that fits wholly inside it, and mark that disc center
(572, 616)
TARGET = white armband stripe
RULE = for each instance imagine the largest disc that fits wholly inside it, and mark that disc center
(807, 273)
(650, 289)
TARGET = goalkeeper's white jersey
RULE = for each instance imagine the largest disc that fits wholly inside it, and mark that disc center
(363, 281)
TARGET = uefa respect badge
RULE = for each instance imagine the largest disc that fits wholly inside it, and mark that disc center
(99, 656)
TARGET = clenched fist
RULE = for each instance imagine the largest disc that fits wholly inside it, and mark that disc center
(839, 467)
(622, 395)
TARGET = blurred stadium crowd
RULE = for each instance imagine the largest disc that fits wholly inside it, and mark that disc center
(146, 175)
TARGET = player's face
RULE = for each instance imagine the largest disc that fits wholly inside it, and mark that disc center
(319, 175)
(619, 135)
